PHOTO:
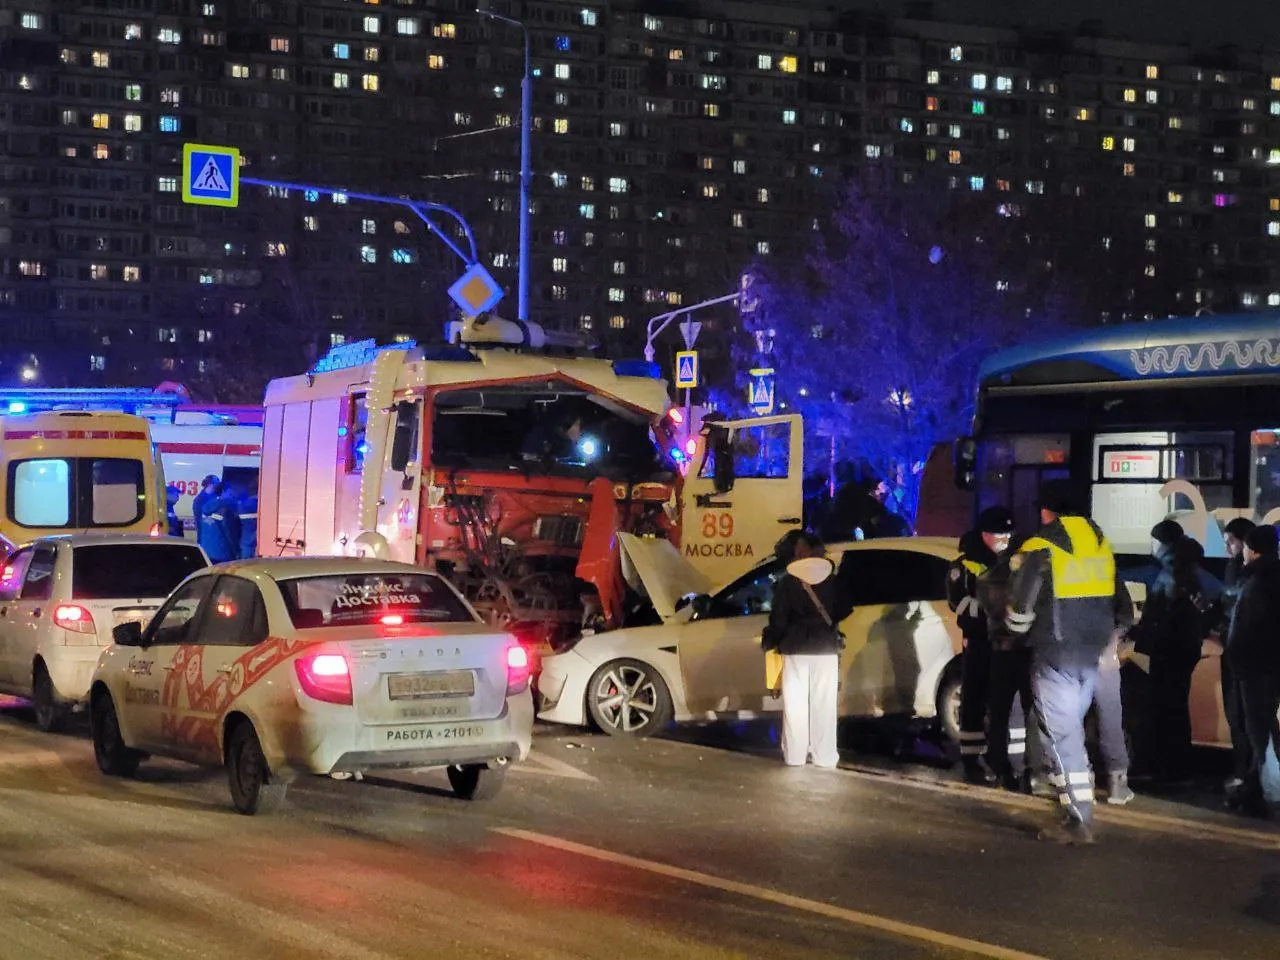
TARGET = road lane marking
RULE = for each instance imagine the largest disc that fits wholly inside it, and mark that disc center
(1153, 822)
(872, 922)
(540, 765)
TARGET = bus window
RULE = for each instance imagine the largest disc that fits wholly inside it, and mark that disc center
(1012, 469)
(1131, 468)
(1264, 483)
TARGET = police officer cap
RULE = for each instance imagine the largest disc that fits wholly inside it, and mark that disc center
(1262, 539)
(1057, 496)
(1167, 531)
(996, 520)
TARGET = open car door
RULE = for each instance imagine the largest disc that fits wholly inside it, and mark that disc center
(743, 491)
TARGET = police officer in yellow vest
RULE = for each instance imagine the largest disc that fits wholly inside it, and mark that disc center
(980, 550)
(1066, 599)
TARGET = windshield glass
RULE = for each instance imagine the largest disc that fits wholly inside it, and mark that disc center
(366, 599)
(541, 432)
(132, 570)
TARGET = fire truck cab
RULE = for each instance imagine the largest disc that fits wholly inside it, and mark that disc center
(511, 469)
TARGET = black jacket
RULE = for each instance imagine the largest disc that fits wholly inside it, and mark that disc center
(1253, 642)
(795, 624)
(963, 596)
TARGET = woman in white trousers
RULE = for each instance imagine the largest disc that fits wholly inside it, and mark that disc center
(807, 607)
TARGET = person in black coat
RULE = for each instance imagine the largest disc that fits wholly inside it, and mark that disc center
(808, 605)
(1232, 583)
(1253, 652)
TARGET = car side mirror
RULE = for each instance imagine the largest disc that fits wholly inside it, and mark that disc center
(128, 634)
(402, 440)
(722, 450)
(966, 463)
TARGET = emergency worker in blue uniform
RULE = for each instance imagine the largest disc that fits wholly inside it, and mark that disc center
(1068, 601)
(980, 551)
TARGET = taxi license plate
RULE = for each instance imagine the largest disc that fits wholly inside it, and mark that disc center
(422, 686)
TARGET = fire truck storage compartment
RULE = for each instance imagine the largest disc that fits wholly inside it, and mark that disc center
(300, 482)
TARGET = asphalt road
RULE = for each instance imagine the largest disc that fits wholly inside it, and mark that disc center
(608, 849)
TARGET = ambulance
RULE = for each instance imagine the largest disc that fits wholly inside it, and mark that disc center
(510, 460)
(192, 440)
(78, 471)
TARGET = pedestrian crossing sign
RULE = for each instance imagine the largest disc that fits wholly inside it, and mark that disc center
(760, 391)
(210, 175)
(686, 369)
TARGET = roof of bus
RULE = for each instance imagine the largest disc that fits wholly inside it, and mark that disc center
(1182, 347)
(487, 367)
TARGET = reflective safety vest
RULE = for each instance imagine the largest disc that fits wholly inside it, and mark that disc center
(974, 567)
(1087, 570)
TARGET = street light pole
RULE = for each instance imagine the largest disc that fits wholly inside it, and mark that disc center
(526, 168)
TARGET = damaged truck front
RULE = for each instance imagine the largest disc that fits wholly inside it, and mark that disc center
(512, 471)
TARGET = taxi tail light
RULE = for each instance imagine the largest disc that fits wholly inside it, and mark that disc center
(518, 669)
(157, 529)
(325, 677)
(73, 617)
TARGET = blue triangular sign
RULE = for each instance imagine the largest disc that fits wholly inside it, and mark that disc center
(686, 368)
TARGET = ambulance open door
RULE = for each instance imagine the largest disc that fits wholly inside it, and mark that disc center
(744, 490)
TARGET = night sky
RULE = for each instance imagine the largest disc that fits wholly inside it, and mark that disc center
(1249, 23)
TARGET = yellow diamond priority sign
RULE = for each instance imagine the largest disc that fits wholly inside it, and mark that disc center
(476, 291)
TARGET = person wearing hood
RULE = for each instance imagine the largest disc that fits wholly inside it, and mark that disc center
(1171, 632)
(808, 605)
(1253, 650)
(1237, 531)
(979, 551)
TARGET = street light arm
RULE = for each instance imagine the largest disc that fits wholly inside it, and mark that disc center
(664, 321)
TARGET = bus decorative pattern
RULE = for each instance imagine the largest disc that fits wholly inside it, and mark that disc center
(1231, 355)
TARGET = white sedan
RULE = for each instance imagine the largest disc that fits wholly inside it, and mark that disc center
(902, 656)
(329, 666)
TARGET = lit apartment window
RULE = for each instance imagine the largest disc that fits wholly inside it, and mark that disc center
(559, 292)
(931, 77)
(931, 103)
(618, 322)
(445, 31)
(101, 151)
(788, 64)
(559, 265)
(133, 91)
(342, 51)
(739, 166)
(954, 156)
(957, 54)
(710, 191)
(372, 24)
(133, 122)
(1149, 221)
(31, 268)
(652, 22)
(70, 118)
(133, 31)
(170, 124)
(764, 61)
(368, 254)
(239, 71)
(560, 125)
(1084, 114)
(169, 35)
(370, 82)
(707, 163)
(171, 96)
(368, 227)
(1150, 270)
(819, 66)
(277, 249)
(1153, 72)
(1174, 196)
(131, 274)
(978, 81)
(587, 211)
(559, 179)
(1130, 95)
(588, 184)
(97, 271)
(762, 195)
(279, 73)
(954, 131)
(435, 62)
(32, 21)
(562, 71)
(1129, 170)
(979, 108)
(763, 248)
(788, 116)
(311, 223)
(339, 198)
(461, 119)
(341, 81)
(619, 268)
(1273, 228)
(101, 121)
(588, 17)
(617, 295)
(711, 109)
(1129, 145)
(738, 221)
(167, 184)
(976, 184)
(618, 185)
(1108, 143)
(101, 59)
(408, 26)
(1004, 84)
(97, 362)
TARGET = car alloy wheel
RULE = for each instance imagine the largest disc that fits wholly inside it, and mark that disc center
(629, 698)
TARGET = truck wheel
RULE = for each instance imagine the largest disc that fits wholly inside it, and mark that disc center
(253, 789)
(114, 758)
(628, 698)
(51, 715)
(475, 781)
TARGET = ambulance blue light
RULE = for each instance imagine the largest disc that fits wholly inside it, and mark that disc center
(17, 406)
(347, 355)
(589, 448)
(637, 368)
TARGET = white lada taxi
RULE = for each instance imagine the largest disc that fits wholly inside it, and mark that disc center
(332, 666)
